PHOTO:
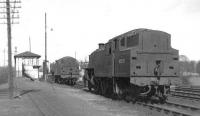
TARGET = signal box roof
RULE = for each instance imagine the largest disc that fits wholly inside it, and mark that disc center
(27, 54)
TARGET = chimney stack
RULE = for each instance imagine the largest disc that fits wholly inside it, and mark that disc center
(101, 46)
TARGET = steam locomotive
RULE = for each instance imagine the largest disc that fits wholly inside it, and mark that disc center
(139, 64)
(65, 70)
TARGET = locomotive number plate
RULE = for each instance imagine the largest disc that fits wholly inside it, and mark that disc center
(121, 61)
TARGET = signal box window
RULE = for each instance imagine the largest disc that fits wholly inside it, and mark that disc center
(122, 41)
(133, 40)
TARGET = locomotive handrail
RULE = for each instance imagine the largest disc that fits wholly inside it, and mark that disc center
(141, 52)
(152, 76)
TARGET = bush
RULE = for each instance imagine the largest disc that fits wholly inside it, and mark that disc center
(3, 75)
(185, 80)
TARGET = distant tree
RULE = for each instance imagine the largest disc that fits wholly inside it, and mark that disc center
(3, 75)
(186, 65)
(183, 63)
(198, 67)
(192, 66)
(183, 58)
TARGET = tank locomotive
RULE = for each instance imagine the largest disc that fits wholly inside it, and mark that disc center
(65, 70)
(139, 64)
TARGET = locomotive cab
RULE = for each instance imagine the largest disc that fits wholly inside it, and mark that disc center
(154, 58)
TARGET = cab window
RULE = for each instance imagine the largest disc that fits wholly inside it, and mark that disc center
(122, 42)
(115, 41)
(132, 40)
(110, 50)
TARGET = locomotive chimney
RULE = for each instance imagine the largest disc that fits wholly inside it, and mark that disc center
(101, 46)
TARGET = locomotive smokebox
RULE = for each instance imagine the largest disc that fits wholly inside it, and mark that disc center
(101, 46)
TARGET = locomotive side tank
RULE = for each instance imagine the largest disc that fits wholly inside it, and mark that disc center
(65, 70)
(140, 62)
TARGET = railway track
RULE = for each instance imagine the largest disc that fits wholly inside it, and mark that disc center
(166, 109)
(180, 105)
(189, 88)
(172, 109)
(79, 85)
(192, 93)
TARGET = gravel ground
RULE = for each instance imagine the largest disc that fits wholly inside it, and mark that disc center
(20, 106)
(44, 99)
(189, 102)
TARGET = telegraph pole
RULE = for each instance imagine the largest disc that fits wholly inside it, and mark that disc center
(10, 9)
(15, 52)
(75, 54)
(45, 37)
(10, 75)
(29, 43)
(45, 61)
(4, 55)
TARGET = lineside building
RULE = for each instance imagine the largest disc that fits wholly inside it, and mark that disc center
(27, 64)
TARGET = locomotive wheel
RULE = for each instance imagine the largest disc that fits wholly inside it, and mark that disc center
(67, 81)
(70, 82)
(97, 87)
(73, 82)
(56, 80)
(162, 99)
(89, 86)
(104, 87)
(110, 88)
(89, 79)
(59, 82)
(116, 90)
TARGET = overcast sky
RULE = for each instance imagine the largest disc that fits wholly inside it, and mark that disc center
(79, 25)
